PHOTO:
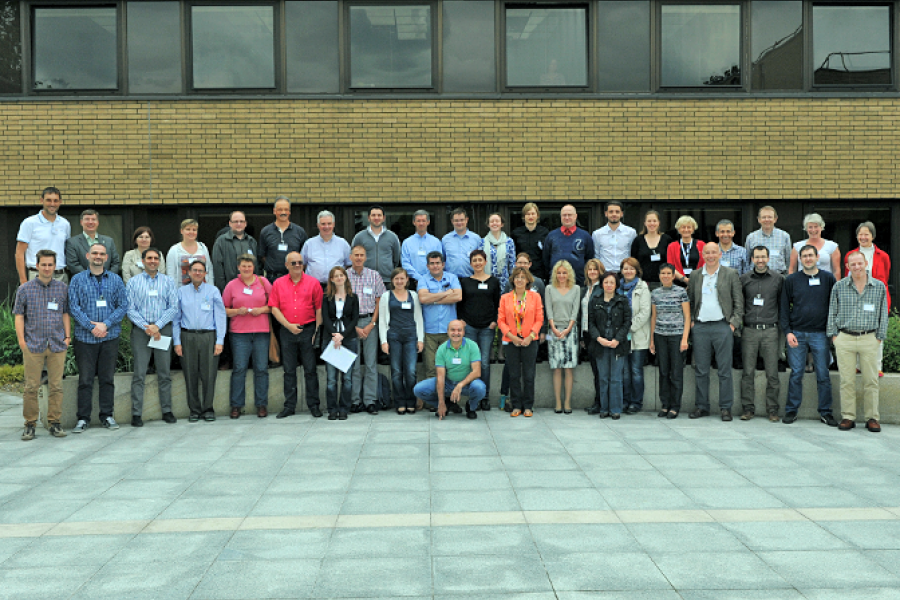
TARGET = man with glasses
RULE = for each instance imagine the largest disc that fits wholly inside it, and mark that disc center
(228, 247)
(46, 230)
(296, 302)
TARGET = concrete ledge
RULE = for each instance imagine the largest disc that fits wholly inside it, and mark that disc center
(582, 395)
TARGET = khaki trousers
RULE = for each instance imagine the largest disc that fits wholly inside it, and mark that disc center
(34, 365)
(848, 349)
(433, 341)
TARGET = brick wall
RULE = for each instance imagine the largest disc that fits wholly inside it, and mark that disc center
(245, 151)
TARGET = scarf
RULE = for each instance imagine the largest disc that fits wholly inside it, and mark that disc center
(627, 289)
(496, 249)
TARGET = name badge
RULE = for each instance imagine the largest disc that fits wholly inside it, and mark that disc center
(655, 258)
(139, 264)
(406, 305)
(505, 343)
(457, 361)
(367, 290)
(814, 281)
(688, 271)
(52, 306)
(422, 253)
(482, 286)
(724, 263)
(282, 247)
(153, 293)
(758, 302)
(541, 245)
(249, 251)
(710, 290)
(248, 291)
(869, 307)
(206, 307)
(776, 252)
(101, 303)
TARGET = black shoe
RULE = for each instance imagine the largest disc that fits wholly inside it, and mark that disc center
(508, 408)
(603, 414)
(332, 416)
(285, 412)
(136, 421)
(557, 411)
(662, 414)
(594, 410)
(169, 418)
(485, 404)
(355, 408)
(193, 418)
(631, 410)
(371, 409)
(342, 417)
(726, 415)
(314, 411)
(828, 420)
(454, 408)
(209, 417)
(673, 414)
(792, 416)
(615, 416)
(699, 413)
(471, 414)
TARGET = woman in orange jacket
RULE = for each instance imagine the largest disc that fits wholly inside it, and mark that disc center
(519, 318)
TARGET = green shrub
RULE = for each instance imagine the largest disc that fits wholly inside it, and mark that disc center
(892, 345)
(11, 374)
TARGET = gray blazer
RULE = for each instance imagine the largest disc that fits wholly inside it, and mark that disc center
(729, 291)
(77, 249)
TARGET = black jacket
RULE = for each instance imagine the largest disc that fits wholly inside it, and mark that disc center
(614, 324)
(532, 242)
(330, 320)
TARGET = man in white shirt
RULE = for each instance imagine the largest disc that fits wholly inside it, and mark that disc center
(612, 242)
(46, 230)
(326, 250)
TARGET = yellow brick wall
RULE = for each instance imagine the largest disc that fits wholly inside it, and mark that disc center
(326, 151)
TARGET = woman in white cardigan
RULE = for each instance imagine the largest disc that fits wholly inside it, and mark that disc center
(638, 294)
(402, 330)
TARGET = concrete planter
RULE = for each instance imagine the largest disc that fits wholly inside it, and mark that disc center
(582, 396)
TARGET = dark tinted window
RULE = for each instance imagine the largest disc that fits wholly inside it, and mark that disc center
(623, 39)
(700, 45)
(154, 47)
(546, 47)
(851, 45)
(233, 46)
(311, 37)
(390, 46)
(776, 45)
(10, 48)
(75, 48)
(469, 47)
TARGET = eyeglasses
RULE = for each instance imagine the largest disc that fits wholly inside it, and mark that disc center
(296, 263)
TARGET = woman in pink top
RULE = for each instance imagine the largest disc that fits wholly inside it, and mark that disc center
(246, 299)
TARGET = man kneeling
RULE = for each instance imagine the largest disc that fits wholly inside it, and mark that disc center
(458, 366)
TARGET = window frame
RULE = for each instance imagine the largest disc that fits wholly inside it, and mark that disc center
(743, 50)
(187, 40)
(347, 42)
(809, 47)
(589, 50)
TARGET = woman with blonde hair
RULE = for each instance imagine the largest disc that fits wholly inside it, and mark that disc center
(182, 255)
(686, 254)
(829, 253)
(562, 303)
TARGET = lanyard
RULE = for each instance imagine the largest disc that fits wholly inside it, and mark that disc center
(686, 254)
(99, 285)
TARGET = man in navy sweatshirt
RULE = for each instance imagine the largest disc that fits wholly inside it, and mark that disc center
(570, 243)
(803, 315)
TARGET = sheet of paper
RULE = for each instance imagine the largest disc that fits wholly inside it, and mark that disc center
(162, 344)
(342, 359)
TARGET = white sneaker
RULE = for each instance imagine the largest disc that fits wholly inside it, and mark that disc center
(110, 423)
(80, 426)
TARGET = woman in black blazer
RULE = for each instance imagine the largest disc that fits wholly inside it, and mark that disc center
(609, 323)
(339, 318)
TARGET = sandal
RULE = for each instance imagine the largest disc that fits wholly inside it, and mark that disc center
(401, 410)
(515, 413)
(558, 411)
(568, 412)
(528, 413)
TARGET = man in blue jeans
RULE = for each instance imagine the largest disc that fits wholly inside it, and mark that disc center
(458, 366)
(804, 316)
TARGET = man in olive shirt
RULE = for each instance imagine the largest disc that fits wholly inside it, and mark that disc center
(458, 364)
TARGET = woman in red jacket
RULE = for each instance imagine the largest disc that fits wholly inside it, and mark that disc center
(687, 253)
(878, 265)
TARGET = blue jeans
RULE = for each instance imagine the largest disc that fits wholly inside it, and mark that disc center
(427, 391)
(332, 373)
(634, 378)
(403, 352)
(485, 339)
(611, 371)
(245, 346)
(817, 344)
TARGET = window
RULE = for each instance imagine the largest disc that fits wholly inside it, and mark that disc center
(624, 46)
(154, 47)
(700, 45)
(10, 48)
(851, 45)
(546, 46)
(468, 30)
(776, 45)
(233, 47)
(311, 38)
(391, 46)
(75, 48)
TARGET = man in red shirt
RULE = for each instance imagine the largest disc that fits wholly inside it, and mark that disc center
(296, 302)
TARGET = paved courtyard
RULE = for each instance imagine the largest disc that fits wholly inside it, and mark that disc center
(554, 506)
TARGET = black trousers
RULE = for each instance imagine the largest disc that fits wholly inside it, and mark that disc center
(298, 349)
(521, 361)
(96, 360)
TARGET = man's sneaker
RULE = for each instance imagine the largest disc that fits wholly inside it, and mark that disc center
(137, 421)
(110, 423)
(790, 418)
(56, 430)
(471, 414)
(28, 434)
(828, 420)
(454, 407)
(80, 426)
(169, 418)
(747, 415)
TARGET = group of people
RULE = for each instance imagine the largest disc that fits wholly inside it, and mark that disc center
(619, 294)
